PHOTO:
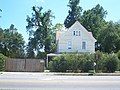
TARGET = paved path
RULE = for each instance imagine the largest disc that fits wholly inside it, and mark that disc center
(43, 81)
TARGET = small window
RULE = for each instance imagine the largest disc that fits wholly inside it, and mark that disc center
(73, 33)
(79, 33)
(83, 45)
(76, 33)
(69, 45)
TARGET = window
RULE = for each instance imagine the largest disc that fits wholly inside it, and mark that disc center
(79, 33)
(73, 33)
(76, 33)
(83, 45)
(69, 45)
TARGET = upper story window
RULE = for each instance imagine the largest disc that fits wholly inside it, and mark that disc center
(79, 33)
(73, 33)
(76, 33)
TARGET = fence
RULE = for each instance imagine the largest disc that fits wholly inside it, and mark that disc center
(24, 65)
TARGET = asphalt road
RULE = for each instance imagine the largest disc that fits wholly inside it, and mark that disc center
(43, 81)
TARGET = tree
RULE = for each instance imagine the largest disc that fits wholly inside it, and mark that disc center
(2, 62)
(0, 11)
(109, 38)
(93, 20)
(74, 13)
(39, 27)
(11, 43)
(30, 49)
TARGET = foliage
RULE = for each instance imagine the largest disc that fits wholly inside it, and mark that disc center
(72, 62)
(30, 49)
(2, 62)
(58, 64)
(41, 55)
(11, 43)
(108, 63)
(109, 38)
(111, 63)
(93, 20)
(55, 28)
(39, 27)
(106, 33)
(74, 13)
(85, 63)
(0, 11)
(118, 54)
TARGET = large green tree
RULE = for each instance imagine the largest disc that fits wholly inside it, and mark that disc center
(109, 38)
(93, 20)
(11, 43)
(30, 49)
(74, 13)
(39, 27)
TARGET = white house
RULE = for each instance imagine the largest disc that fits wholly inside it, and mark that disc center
(75, 39)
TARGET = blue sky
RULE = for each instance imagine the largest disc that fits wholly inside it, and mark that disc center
(15, 11)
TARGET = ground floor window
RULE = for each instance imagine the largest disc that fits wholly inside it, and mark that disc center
(69, 45)
(84, 45)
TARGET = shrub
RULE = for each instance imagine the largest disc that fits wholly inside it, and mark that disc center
(59, 64)
(112, 63)
(118, 55)
(2, 62)
(72, 62)
(84, 63)
(87, 65)
(101, 63)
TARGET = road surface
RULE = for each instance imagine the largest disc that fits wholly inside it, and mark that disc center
(43, 81)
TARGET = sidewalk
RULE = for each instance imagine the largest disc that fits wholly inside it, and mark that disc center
(61, 74)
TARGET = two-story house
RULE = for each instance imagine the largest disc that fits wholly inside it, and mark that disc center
(75, 39)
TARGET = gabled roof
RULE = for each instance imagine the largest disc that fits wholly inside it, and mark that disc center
(82, 28)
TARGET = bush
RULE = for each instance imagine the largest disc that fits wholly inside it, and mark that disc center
(85, 63)
(112, 63)
(101, 63)
(59, 64)
(118, 55)
(2, 62)
(72, 62)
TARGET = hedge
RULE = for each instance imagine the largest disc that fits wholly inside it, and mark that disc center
(85, 62)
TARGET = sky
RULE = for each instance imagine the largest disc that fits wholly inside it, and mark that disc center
(16, 11)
